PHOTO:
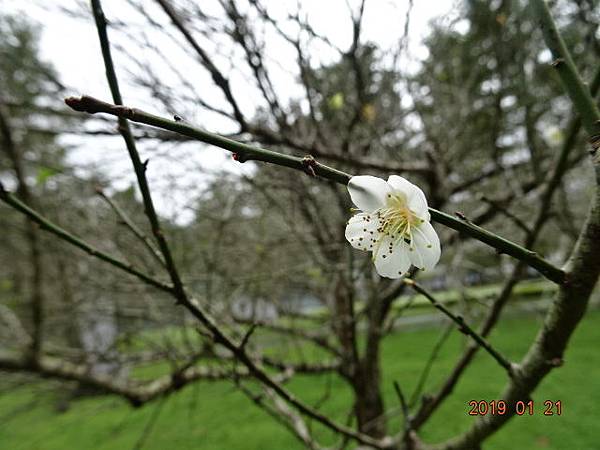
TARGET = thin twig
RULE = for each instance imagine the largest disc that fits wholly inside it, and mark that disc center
(425, 373)
(45, 224)
(290, 421)
(218, 78)
(564, 65)
(500, 208)
(247, 335)
(139, 444)
(132, 226)
(462, 326)
(403, 405)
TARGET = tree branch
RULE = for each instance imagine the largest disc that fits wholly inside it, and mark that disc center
(138, 166)
(565, 67)
(132, 226)
(178, 289)
(137, 393)
(583, 267)
(247, 152)
(54, 229)
(317, 338)
(217, 76)
(462, 326)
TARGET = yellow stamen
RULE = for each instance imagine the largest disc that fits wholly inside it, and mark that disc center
(397, 221)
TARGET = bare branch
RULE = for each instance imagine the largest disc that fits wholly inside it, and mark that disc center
(315, 337)
(54, 229)
(246, 152)
(138, 166)
(463, 327)
(132, 226)
(137, 393)
(215, 73)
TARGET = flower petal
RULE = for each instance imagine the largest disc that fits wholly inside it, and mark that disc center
(414, 195)
(392, 263)
(368, 193)
(426, 245)
(361, 231)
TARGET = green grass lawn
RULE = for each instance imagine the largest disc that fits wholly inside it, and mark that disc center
(217, 416)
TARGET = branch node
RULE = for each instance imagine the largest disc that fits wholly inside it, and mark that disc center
(461, 215)
(426, 399)
(557, 62)
(239, 157)
(556, 362)
(310, 164)
(246, 337)
(513, 370)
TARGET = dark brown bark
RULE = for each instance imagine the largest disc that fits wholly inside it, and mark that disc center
(362, 373)
(343, 323)
(369, 406)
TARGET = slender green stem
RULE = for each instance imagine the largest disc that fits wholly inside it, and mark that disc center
(138, 165)
(133, 227)
(565, 67)
(45, 224)
(245, 152)
(403, 405)
(462, 326)
(501, 244)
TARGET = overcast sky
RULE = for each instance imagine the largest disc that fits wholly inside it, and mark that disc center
(72, 47)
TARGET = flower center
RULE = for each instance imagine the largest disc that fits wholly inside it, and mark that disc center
(397, 219)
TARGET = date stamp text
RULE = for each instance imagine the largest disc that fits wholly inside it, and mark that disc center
(520, 408)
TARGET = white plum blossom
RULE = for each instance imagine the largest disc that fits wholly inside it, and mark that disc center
(393, 224)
